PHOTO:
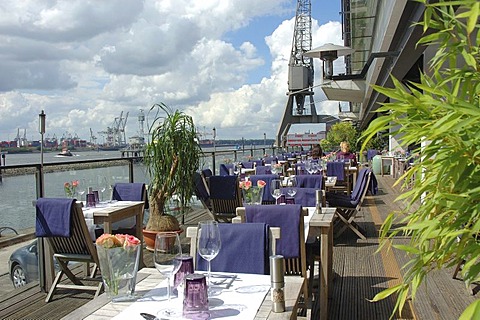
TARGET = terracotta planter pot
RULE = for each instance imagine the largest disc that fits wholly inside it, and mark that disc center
(149, 238)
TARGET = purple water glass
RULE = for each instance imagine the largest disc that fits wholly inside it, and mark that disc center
(290, 200)
(97, 199)
(90, 200)
(281, 199)
(195, 297)
(186, 268)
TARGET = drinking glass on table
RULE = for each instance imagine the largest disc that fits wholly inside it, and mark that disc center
(276, 189)
(291, 186)
(102, 185)
(82, 188)
(208, 243)
(166, 255)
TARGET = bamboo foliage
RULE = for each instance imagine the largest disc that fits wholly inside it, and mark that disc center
(171, 159)
(441, 113)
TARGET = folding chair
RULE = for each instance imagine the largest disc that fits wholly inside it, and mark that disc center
(290, 220)
(62, 223)
(225, 197)
(245, 248)
(225, 169)
(349, 206)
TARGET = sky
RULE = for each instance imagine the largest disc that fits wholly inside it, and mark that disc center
(86, 63)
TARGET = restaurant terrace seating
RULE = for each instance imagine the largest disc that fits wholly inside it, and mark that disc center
(62, 223)
(225, 197)
(349, 205)
(246, 248)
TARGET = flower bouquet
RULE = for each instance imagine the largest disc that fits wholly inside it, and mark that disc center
(70, 188)
(119, 257)
(252, 194)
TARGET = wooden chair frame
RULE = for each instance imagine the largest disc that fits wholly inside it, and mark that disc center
(223, 210)
(293, 266)
(79, 247)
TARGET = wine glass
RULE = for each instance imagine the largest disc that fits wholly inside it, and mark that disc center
(82, 185)
(102, 185)
(208, 243)
(276, 189)
(291, 186)
(166, 255)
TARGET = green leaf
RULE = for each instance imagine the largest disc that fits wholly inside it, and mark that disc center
(472, 311)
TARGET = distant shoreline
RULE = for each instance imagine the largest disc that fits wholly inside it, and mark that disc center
(9, 172)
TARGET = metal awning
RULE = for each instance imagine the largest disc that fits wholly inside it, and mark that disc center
(344, 90)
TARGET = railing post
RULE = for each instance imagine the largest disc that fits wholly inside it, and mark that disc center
(130, 170)
(213, 162)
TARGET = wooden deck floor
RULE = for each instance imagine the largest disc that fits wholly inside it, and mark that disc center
(360, 273)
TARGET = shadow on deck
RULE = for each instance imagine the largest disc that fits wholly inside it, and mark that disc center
(360, 273)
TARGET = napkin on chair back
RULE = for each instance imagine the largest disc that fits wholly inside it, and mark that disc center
(53, 217)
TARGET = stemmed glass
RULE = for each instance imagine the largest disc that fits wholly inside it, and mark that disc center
(166, 255)
(291, 186)
(82, 188)
(276, 189)
(102, 185)
(208, 243)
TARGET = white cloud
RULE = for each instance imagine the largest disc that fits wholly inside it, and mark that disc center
(84, 62)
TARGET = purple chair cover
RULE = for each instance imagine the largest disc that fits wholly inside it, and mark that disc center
(263, 170)
(245, 249)
(267, 178)
(270, 160)
(53, 217)
(300, 169)
(200, 189)
(336, 169)
(258, 162)
(310, 181)
(129, 192)
(306, 197)
(223, 187)
(371, 153)
(225, 169)
(207, 173)
(287, 217)
(373, 185)
(342, 200)
(247, 164)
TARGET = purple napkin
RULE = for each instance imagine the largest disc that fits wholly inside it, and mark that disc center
(245, 249)
(305, 197)
(225, 169)
(223, 187)
(270, 160)
(287, 217)
(263, 170)
(247, 164)
(336, 169)
(200, 189)
(129, 192)
(267, 178)
(258, 162)
(310, 181)
(207, 173)
(53, 217)
(371, 153)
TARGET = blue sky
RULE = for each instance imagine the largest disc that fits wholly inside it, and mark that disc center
(84, 62)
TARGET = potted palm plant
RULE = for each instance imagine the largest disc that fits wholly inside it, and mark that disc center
(171, 157)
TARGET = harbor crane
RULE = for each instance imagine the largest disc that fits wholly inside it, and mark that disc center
(115, 135)
(300, 77)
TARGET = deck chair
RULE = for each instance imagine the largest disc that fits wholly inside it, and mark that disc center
(225, 169)
(245, 248)
(225, 197)
(337, 169)
(263, 170)
(248, 164)
(62, 223)
(290, 220)
(349, 206)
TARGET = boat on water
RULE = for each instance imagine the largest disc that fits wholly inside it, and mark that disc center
(65, 153)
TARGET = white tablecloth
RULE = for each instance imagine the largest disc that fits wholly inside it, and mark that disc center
(239, 298)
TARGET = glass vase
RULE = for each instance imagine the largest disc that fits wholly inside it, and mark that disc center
(119, 271)
(253, 196)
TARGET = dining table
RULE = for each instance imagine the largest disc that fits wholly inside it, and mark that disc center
(321, 225)
(234, 296)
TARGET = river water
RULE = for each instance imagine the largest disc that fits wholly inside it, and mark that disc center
(18, 192)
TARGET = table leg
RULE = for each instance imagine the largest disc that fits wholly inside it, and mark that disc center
(107, 227)
(323, 286)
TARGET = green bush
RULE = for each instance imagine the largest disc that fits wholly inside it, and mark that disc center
(442, 114)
